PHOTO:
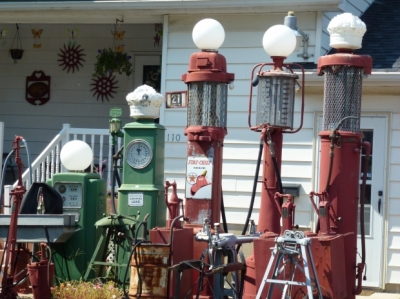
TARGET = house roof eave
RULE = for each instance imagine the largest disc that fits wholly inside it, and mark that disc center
(134, 11)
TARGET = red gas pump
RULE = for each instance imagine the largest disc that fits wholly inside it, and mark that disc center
(207, 81)
(275, 110)
(341, 143)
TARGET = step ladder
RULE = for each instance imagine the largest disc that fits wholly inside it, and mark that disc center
(292, 248)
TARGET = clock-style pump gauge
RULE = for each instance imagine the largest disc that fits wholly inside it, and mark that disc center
(138, 153)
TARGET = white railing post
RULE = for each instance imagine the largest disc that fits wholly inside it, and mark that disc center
(110, 163)
(7, 203)
(64, 140)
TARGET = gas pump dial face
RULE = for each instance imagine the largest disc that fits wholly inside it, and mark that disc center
(138, 154)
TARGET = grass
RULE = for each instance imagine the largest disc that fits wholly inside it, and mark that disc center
(86, 290)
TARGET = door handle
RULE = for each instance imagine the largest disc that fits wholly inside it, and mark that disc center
(379, 205)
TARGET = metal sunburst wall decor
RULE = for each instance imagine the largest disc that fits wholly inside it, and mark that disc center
(104, 87)
(71, 57)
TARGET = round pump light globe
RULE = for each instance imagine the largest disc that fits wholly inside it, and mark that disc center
(208, 34)
(76, 155)
(279, 40)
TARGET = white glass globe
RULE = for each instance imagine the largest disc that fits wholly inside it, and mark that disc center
(208, 34)
(76, 155)
(279, 40)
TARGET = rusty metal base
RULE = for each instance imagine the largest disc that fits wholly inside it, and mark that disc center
(181, 250)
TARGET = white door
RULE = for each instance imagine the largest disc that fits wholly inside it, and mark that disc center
(375, 132)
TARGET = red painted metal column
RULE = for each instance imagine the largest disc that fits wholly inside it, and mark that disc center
(270, 216)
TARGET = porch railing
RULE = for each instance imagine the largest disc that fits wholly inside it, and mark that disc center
(48, 162)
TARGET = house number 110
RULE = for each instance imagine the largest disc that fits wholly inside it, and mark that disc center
(173, 137)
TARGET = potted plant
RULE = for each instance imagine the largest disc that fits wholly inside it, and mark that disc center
(109, 61)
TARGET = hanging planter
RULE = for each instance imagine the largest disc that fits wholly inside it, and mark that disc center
(16, 53)
(109, 61)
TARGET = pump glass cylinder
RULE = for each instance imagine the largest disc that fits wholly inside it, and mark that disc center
(342, 98)
(275, 100)
(207, 104)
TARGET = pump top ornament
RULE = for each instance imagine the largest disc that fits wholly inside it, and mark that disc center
(144, 102)
(346, 32)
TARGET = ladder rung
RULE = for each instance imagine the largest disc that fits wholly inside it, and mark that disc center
(299, 283)
(109, 264)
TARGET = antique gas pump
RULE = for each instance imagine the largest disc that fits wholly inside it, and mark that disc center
(84, 196)
(143, 166)
(341, 143)
(275, 114)
(207, 82)
(141, 192)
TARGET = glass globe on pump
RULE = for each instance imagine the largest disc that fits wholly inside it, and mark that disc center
(208, 35)
(76, 155)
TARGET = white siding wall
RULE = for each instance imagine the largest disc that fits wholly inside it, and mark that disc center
(71, 98)
(242, 49)
(387, 100)
(393, 218)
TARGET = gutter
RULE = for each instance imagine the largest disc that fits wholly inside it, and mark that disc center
(174, 6)
(377, 78)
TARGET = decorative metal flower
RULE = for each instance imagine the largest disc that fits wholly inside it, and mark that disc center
(104, 87)
(71, 57)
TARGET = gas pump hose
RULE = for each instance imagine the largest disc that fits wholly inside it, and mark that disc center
(253, 193)
(5, 168)
(223, 215)
(365, 166)
(3, 175)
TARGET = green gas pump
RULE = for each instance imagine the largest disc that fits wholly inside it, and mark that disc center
(84, 196)
(141, 192)
(143, 166)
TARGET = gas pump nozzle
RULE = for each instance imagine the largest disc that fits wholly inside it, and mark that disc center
(145, 231)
